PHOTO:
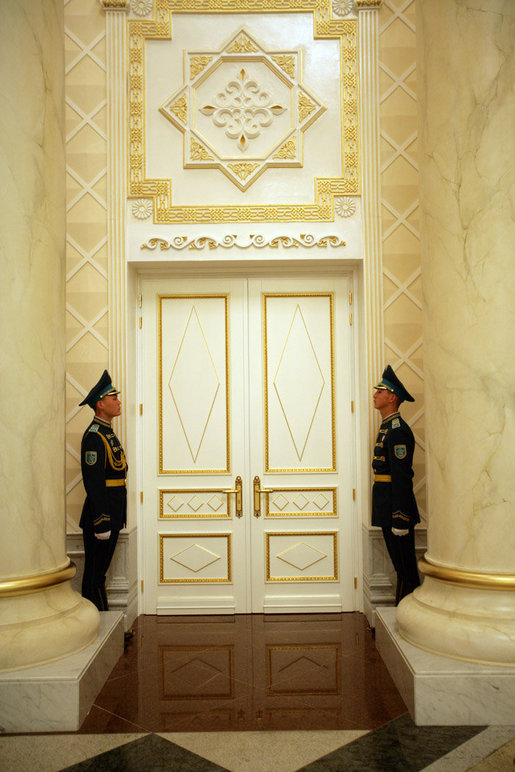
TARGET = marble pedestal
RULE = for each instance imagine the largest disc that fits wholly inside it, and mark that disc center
(57, 697)
(439, 691)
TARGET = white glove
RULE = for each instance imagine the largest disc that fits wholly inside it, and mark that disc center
(400, 531)
(103, 536)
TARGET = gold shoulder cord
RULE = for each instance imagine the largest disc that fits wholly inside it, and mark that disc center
(118, 465)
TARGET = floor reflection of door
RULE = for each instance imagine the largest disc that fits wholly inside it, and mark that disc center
(262, 671)
(247, 445)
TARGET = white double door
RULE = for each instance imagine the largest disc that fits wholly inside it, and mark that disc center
(247, 445)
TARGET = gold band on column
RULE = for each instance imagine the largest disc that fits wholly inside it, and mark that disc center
(471, 579)
(28, 584)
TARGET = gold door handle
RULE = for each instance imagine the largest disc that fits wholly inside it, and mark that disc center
(258, 490)
(238, 485)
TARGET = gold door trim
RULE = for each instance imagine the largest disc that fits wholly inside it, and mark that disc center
(205, 492)
(210, 580)
(325, 188)
(227, 392)
(276, 514)
(270, 578)
(330, 297)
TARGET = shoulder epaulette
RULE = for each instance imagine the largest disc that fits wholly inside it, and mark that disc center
(93, 428)
(396, 423)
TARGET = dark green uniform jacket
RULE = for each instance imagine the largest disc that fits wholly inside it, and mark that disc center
(104, 469)
(393, 501)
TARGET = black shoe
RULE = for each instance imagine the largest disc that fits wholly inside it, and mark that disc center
(128, 636)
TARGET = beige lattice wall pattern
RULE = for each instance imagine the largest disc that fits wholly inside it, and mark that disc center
(86, 242)
(399, 212)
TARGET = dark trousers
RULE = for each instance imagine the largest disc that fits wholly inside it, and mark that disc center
(97, 558)
(402, 554)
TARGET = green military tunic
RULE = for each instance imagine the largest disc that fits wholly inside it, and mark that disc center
(104, 469)
(393, 500)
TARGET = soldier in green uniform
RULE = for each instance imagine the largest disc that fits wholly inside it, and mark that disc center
(394, 508)
(104, 470)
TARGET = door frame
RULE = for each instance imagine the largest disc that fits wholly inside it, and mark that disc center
(254, 269)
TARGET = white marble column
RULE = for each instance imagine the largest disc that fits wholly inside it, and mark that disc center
(41, 617)
(466, 70)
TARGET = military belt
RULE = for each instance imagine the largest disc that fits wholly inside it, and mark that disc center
(382, 478)
(115, 483)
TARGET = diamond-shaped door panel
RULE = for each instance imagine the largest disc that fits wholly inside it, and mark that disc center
(299, 382)
(195, 558)
(194, 383)
(301, 555)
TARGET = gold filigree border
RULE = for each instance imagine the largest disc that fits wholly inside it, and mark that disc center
(230, 240)
(325, 189)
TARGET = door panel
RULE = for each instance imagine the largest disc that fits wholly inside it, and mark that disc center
(247, 471)
(299, 382)
(301, 391)
(192, 339)
(193, 397)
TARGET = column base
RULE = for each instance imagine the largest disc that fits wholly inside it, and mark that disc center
(440, 691)
(468, 623)
(58, 696)
(43, 626)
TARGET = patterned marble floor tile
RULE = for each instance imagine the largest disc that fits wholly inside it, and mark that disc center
(480, 750)
(502, 760)
(399, 746)
(263, 751)
(150, 753)
(51, 753)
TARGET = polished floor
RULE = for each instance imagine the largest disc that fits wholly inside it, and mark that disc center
(256, 693)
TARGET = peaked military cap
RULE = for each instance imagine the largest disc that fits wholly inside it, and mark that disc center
(99, 390)
(390, 382)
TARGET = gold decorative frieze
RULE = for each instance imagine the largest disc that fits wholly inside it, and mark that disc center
(194, 503)
(287, 63)
(300, 502)
(288, 150)
(115, 5)
(302, 108)
(198, 152)
(195, 558)
(199, 63)
(229, 241)
(242, 45)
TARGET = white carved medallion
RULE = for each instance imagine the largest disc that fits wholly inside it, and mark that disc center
(242, 109)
